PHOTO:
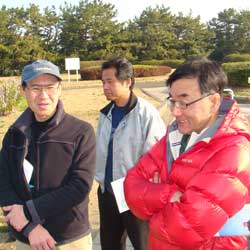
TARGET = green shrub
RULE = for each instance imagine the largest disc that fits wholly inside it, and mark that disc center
(151, 62)
(237, 58)
(94, 73)
(173, 63)
(9, 96)
(237, 73)
(150, 70)
(87, 64)
(21, 103)
(91, 73)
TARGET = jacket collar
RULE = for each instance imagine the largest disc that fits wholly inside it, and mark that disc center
(24, 121)
(129, 106)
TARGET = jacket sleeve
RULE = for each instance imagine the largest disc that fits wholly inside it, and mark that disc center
(8, 196)
(153, 128)
(143, 197)
(210, 198)
(78, 185)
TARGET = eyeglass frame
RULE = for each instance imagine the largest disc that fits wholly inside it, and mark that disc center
(183, 106)
(40, 88)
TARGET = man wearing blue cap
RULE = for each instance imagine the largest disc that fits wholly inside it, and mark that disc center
(47, 165)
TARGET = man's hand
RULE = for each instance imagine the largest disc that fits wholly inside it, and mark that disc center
(39, 238)
(16, 217)
(156, 178)
(176, 197)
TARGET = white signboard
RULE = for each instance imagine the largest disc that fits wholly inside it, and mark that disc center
(72, 63)
(248, 79)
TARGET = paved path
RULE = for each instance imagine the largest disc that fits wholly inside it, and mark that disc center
(96, 243)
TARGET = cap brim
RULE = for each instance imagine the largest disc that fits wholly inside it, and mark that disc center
(42, 73)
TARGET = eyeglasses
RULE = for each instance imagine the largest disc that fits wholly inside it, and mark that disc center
(183, 105)
(50, 89)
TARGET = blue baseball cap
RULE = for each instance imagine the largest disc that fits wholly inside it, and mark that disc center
(37, 68)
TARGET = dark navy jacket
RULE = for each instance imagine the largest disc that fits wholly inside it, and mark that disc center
(63, 175)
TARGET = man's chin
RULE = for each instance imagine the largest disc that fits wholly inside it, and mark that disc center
(43, 116)
(109, 98)
(184, 130)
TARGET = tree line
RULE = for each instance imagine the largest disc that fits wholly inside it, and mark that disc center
(90, 30)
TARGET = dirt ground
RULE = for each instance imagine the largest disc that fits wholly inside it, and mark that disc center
(84, 103)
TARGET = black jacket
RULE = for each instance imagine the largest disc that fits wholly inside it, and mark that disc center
(63, 175)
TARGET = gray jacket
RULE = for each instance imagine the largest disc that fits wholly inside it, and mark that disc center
(138, 131)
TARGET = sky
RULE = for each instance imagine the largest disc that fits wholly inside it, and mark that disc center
(128, 9)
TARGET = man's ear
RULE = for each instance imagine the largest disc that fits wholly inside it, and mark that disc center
(60, 89)
(216, 101)
(128, 83)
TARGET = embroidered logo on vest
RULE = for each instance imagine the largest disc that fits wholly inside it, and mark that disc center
(187, 160)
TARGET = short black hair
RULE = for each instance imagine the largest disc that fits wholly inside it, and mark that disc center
(124, 69)
(210, 75)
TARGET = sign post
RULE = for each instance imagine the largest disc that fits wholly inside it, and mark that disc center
(72, 64)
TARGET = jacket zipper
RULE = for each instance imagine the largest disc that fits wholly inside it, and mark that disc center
(37, 173)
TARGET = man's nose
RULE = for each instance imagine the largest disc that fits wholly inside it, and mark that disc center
(105, 86)
(176, 111)
(43, 92)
